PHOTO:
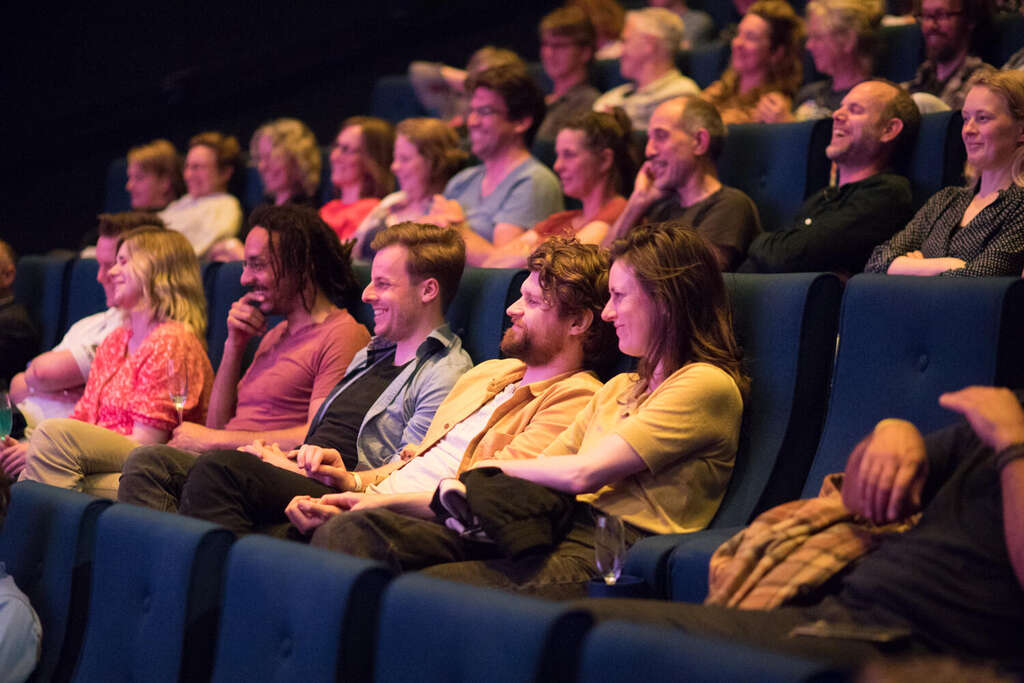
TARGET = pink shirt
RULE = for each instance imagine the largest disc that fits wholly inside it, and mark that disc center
(345, 218)
(126, 388)
(291, 370)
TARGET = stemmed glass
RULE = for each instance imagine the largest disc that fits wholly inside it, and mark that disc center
(609, 547)
(178, 383)
(5, 415)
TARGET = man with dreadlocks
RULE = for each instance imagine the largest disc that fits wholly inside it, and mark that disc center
(295, 267)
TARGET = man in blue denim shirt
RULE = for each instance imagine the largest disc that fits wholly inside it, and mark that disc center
(385, 401)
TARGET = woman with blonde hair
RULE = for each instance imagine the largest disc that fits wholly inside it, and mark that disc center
(154, 175)
(360, 162)
(765, 63)
(288, 159)
(976, 230)
(426, 156)
(156, 358)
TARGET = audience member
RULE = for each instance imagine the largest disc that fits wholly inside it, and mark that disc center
(426, 156)
(385, 401)
(649, 44)
(839, 226)
(672, 426)
(441, 89)
(288, 159)
(295, 267)
(127, 397)
(953, 583)
(567, 44)
(679, 181)
(207, 213)
(510, 408)
(52, 383)
(977, 230)
(608, 18)
(360, 159)
(21, 634)
(842, 37)
(698, 26)
(947, 27)
(154, 175)
(19, 339)
(765, 68)
(495, 202)
(594, 160)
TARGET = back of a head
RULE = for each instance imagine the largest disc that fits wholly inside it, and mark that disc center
(571, 23)
(167, 268)
(433, 252)
(693, 321)
(116, 224)
(522, 96)
(297, 142)
(307, 254)
(438, 144)
(575, 276)
(160, 158)
(490, 56)
(660, 23)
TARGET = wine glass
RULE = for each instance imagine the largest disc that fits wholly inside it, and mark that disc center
(609, 547)
(178, 383)
(5, 415)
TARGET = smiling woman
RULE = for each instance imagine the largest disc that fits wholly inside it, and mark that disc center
(976, 230)
(127, 400)
(360, 162)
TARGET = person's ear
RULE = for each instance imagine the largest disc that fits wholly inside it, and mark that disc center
(891, 131)
(430, 289)
(581, 322)
(701, 142)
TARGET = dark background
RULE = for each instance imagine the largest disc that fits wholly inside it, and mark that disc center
(85, 83)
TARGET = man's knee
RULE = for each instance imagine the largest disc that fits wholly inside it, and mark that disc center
(155, 470)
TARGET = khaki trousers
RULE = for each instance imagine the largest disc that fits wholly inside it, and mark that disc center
(72, 454)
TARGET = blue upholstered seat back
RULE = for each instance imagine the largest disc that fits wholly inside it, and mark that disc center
(156, 589)
(905, 340)
(435, 631)
(39, 286)
(297, 613)
(47, 546)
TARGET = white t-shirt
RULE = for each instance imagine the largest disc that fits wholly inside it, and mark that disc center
(423, 472)
(205, 220)
(82, 340)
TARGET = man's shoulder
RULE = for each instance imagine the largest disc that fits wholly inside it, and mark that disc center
(463, 180)
(535, 171)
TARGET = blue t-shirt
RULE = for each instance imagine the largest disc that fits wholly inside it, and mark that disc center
(528, 194)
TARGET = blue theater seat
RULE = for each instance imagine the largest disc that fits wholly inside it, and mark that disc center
(620, 652)
(436, 631)
(394, 99)
(85, 295)
(39, 286)
(477, 314)
(777, 164)
(156, 588)
(786, 325)
(706, 63)
(297, 613)
(47, 546)
(902, 342)
(937, 158)
(902, 50)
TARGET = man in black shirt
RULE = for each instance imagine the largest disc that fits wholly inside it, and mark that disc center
(954, 583)
(838, 226)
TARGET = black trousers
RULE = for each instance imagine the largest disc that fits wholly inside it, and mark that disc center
(410, 544)
(241, 492)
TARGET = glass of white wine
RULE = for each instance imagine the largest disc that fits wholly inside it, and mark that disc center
(5, 415)
(178, 383)
(609, 547)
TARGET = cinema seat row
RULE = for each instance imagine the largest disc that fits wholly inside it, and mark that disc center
(901, 342)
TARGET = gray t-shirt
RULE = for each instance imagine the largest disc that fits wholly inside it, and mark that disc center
(530, 192)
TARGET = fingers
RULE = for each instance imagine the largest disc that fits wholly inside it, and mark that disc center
(245, 317)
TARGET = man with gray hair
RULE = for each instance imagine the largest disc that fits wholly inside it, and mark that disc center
(650, 40)
(679, 181)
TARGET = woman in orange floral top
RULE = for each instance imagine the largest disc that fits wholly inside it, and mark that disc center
(127, 400)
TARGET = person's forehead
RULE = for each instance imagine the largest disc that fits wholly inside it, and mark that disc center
(201, 154)
(947, 5)
(872, 95)
(668, 115)
(392, 260)
(257, 243)
(484, 96)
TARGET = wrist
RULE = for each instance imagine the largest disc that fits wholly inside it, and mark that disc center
(1009, 454)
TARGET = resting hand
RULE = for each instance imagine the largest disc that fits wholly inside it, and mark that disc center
(189, 436)
(914, 254)
(324, 465)
(308, 513)
(994, 414)
(774, 107)
(272, 454)
(444, 212)
(886, 472)
(12, 456)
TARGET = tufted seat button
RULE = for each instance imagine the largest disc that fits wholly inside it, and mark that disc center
(922, 362)
(147, 601)
(286, 647)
